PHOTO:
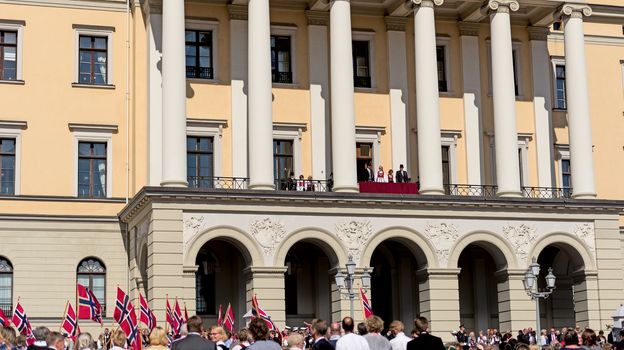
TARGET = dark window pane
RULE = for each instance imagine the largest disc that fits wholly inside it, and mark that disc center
(85, 42)
(100, 43)
(190, 35)
(10, 38)
(7, 146)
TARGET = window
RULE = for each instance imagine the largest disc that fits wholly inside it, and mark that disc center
(441, 58)
(92, 169)
(521, 166)
(199, 54)
(6, 286)
(361, 64)
(560, 87)
(200, 161)
(281, 59)
(283, 161)
(566, 174)
(446, 168)
(7, 166)
(514, 56)
(93, 60)
(91, 273)
(8, 55)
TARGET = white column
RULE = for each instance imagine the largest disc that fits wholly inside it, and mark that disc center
(342, 98)
(427, 99)
(260, 92)
(542, 104)
(504, 96)
(397, 75)
(238, 74)
(155, 95)
(174, 95)
(319, 93)
(577, 99)
(471, 73)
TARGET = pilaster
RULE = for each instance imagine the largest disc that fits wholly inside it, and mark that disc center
(267, 283)
(439, 300)
(516, 310)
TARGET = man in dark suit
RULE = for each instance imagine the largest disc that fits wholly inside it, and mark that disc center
(319, 333)
(424, 341)
(194, 340)
(401, 175)
(41, 339)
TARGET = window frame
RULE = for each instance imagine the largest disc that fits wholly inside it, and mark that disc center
(371, 135)
(290, 31)
(85, 30)
(93, 133)
(213, 27)
(292, 132)
(197, 155)
(13, 130)
(209, 128)
(11, 292)
(90, 274)
(370, 37)
(448, 138)
(8, 154)
(563, 153)
(197, 45)
(445, 42)
(558, 61)
(17, 26)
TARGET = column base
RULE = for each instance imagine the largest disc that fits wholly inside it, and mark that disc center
(586, 195)
(346, 189)
(509, 194)
(262, 186)
(432, 191)
(173, 183)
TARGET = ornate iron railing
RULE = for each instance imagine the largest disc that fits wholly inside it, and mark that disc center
(199, 72)
(546, 192)
(488, 191)
(282, 77)
(304, 185)
(224, 183)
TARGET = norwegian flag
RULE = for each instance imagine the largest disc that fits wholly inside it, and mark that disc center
(122, 306)
(147, 316)
(220, 319)
(256, 311)
(70, 326)
(229, 319)
(89, 307)
(171, 319)
(131, 328)
(177, 317)
(4, 321)
(366, 306)
(20, 320)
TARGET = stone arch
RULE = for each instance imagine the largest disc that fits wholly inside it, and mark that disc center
(416, 242)
(328, 242)
(241, 240)
(498, 247)
(570, 243)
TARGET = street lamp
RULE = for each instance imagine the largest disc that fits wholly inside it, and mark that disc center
(530, 286)
(345, 282)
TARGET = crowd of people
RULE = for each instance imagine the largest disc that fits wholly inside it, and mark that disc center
(367, 174)
(318, 335)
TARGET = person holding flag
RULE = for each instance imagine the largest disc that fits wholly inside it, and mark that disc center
(20, 320)
(259, 331)
(69, 326)
(125, 316)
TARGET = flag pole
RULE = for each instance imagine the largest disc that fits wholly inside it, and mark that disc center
(64, 316)
(77, 309)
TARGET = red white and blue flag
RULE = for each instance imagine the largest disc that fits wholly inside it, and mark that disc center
(147, 316)
(89, 307)
(172, 319)
(122, 306)
(4, 321)
(177, 317)
(70, 327)
(366, 306)
(256, 311)
(20, 320)
(220, 318)
(229, 319)
(125, 316)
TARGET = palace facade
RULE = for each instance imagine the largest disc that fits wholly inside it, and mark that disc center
(149, 145)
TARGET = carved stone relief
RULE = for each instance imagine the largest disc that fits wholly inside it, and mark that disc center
(521, 238)
(443, 236)
(355, 235)
(193, 225)
(268, 233)
(586, 233)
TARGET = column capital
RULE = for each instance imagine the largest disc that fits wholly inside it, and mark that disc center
(503, 5)
(238, 12)
(575, 10)
(317, 18)
(538, 33)
(427, 3)
(395, 24)
(469, 28)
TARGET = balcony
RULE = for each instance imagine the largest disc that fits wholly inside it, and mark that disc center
(362, 82)
(199, 72)
(282, 77)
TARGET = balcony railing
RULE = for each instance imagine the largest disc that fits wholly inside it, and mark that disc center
(282, 77)
(199, 72)
(546, 192)
(489, 191)
(223, 183)
(304, 185)
(7, 309)
(362, 82)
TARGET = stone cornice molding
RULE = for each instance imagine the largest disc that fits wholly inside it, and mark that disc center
(237, 12)
(575, 10)
(396, 24)
(538, 33)
(427, 3)
(469, 28)
(317, 18)
(503, 5)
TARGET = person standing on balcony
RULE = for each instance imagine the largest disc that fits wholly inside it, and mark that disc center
(390, 176)
(401, 175)
(381, 177)
(370, 176)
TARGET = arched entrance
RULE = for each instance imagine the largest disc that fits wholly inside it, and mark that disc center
(478, 286)
(394, 281)
(307, 283)
(219, 280)
(567, 302)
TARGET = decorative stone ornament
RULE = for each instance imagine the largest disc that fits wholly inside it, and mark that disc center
(586, 233)
(268, 233)
(355, 234)
(443, 236)
(503, 5)
(427, 3)
(521, 238)
(576, 10)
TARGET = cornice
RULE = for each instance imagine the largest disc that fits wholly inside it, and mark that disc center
(317, 18)
(469, 28)
(503, 5)
(102, 5)
(148, 196)
(538, 33)
(238, 12)
(396, 24)
(575, 10)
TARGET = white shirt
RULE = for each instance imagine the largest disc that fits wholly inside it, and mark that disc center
(400, 341)
(351, 341)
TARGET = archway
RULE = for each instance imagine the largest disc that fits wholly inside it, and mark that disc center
(567, 302)
(478, 285)
(394, 282)
(307, 283)
(219, 280)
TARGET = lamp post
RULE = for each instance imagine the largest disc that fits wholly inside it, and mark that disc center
(345, 283)
(530, 286)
